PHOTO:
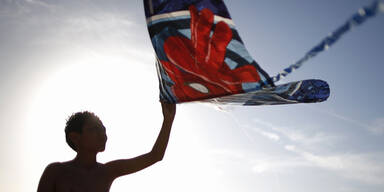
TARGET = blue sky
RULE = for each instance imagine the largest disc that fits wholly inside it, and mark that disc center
(59, 57)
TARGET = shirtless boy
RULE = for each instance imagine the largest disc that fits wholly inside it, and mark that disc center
(85, 133)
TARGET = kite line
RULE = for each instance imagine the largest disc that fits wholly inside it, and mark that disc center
(357, 19)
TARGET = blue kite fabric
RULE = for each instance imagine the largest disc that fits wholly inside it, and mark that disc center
(201, 57)
(305, 91)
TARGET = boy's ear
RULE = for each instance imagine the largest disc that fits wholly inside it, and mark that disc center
(75, 138)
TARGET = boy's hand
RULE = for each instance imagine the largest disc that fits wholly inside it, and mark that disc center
(169, 110)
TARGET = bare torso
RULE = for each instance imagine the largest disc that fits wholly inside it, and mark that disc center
(71, 178)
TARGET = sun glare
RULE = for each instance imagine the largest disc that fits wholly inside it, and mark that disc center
(125, 96)
(123, 92)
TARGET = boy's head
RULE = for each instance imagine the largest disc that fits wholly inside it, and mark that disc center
(85, 131)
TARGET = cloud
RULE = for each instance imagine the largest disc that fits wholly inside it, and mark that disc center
(39, 3)
(306, 149)
(262, 167)
(377, 126)
(325, 162)
(76, 23)
(267, 134)
(277, 165)
(290, 147)
(270, 135)
(365, 168)
(294, 135)
(68, 26)
(19, 8)
(257, 164)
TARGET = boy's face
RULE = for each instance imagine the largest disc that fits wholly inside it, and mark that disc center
(93, 137)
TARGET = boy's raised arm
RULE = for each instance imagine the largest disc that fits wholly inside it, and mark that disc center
(126, 166)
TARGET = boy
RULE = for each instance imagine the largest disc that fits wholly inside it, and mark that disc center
(85, 134)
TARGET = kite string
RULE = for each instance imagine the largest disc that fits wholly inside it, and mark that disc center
(357, 19)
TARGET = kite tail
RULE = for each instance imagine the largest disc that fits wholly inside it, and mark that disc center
(357, 19)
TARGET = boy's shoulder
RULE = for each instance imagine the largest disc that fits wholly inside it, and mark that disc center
(55, 168)
(58, 168)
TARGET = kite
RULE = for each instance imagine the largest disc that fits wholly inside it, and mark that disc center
(201, 57)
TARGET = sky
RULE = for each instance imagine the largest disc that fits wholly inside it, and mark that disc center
(63, 56)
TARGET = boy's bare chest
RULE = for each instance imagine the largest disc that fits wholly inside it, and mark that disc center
(81, 181)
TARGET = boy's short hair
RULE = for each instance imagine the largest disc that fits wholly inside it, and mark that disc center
(75, 123)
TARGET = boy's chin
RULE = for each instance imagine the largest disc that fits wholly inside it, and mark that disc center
(102, 149)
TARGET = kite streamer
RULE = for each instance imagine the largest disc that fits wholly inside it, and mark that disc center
(357, 19)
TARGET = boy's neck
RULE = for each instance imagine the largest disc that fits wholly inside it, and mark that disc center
(86, 160)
